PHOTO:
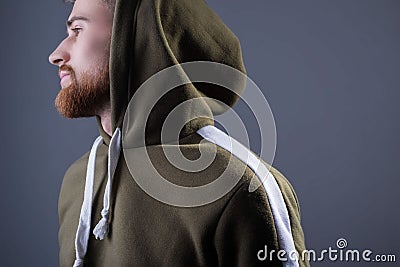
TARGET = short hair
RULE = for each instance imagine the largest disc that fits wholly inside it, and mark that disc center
(109, 3)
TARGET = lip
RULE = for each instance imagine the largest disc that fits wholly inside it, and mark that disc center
(63, 75)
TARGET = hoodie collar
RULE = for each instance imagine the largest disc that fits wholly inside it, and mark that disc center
(106, 138)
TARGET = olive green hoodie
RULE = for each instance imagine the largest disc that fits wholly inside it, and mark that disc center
(101, 194)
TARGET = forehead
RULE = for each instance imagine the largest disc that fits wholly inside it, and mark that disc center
(92, 9)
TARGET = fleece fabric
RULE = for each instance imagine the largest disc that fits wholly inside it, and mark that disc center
(149, 36)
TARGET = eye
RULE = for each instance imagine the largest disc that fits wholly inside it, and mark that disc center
(76, 30)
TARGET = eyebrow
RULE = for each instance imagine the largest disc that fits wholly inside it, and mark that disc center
(71, 20)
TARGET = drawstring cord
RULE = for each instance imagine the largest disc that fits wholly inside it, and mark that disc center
(101, 229)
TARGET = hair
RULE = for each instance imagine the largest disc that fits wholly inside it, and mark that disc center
(110, 3)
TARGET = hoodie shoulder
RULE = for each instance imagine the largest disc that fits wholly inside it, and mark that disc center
(249, 225)
(255, 218)
(77, 165)
(73, 183)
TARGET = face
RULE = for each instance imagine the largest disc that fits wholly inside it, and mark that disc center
(82, 58)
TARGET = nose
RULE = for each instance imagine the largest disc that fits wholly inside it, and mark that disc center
(60, 55)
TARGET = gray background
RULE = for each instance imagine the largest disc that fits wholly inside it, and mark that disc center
(330, 70)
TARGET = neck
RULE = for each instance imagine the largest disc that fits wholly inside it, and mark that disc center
(105, 117)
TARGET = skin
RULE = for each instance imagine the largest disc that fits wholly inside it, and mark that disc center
(86, 47)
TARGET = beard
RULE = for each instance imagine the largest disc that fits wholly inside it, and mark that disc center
(86, 97)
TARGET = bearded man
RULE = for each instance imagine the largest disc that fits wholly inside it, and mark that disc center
(107, 215)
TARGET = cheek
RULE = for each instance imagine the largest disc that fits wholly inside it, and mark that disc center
(92, 54)
(100, 44)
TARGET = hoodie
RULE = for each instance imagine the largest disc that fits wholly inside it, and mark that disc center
(108, 216)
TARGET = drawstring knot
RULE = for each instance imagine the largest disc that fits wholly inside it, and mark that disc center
(101, 229)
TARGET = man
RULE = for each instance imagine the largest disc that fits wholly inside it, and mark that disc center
(107, 215)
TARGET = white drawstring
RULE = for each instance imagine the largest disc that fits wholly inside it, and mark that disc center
(82, 233)
(101, 229)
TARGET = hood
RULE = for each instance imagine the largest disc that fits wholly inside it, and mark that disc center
(149, 36)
